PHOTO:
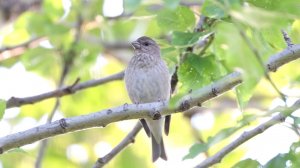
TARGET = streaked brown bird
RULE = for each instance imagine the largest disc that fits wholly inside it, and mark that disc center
(147, 80)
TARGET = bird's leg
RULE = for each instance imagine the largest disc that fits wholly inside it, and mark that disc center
(167, 121)
(144, 124)
(167, 124)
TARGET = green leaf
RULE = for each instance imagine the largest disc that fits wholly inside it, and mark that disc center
(195, 150)
(226, 41)
(180, 19)
(2, 108)
(170, 55)
(219, 8)
(131, 5)
(41, 60)
(287, 6)
(247, 163)
(171, 4)
(185, 38)
(16, 37)
(196, 72)
(296, 120)
(260, 18)
(277, 161)
(53, 9)
(120, 30)
(222, 134)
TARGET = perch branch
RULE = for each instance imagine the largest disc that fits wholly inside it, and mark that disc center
(124, 112)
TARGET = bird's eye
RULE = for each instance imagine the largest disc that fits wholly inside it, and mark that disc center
(146, 44)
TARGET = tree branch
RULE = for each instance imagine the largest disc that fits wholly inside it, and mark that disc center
(17, 102)
(124, 112)
(126, 141)
(248, 135)
(134, 111)
(11, 51)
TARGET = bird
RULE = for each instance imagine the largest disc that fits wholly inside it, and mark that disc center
(147, 79)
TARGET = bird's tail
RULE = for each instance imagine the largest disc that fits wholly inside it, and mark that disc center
(158, 149)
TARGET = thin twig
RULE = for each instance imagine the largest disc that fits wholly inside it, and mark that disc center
(44, 143)
(248, 135)
(24, 44)
(286, 38)
(67, 90)
(12, 51)
(125, 142)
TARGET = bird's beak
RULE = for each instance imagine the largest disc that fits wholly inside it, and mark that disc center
(136, 45)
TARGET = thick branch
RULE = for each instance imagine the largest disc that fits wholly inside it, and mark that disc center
(17, 102)
(134, 111)
(125, 112)
(126, 141)
(248, 135)
(287, 55)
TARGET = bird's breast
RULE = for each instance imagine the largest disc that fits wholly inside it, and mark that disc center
(148, 84)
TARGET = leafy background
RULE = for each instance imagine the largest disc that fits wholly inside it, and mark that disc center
(107, 27)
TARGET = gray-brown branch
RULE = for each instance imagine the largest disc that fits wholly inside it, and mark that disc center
(124, 112)
(216, 158)
(125, 142)
(67, 90)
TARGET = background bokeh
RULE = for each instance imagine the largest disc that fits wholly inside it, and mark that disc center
(40, 38)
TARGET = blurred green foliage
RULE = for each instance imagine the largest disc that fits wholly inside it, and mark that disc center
(172, 24)
(2, 108)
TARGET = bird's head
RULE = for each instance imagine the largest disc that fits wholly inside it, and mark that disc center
(145, 45)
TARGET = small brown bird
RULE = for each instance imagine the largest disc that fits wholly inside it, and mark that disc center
(147, 80)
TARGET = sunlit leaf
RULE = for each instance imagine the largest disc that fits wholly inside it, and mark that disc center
(286, 6)
(170, 55)
(16, 37)
(247, 163)
(185, 38)
(296, 120)
(196, 72)
(277, 161)
(259, 18)
(131, 5)
(295, 33)
(195, 150)
(242, 57)
(41, 60)
(2, 108)
(219, 8)
(53, 9)
(180, 19)
(172, 4)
